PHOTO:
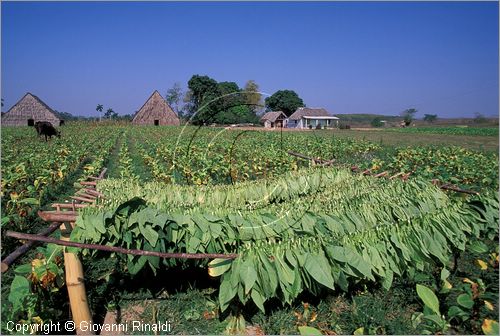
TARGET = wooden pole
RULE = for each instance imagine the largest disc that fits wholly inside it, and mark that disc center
(88, 183)
(56, 216)
(82, 199)
(457, 189)
(75, 284)
(94, 192)
(68, 205)
(27, 236)
(103, 172)
(7, 261)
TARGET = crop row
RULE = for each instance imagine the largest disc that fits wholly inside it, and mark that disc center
(451, 130)
(33, 169)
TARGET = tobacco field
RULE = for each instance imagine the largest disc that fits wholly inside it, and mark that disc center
(336, 248)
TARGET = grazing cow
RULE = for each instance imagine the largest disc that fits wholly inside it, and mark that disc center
(46, 128)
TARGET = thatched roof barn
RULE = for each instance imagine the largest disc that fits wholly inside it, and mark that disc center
(274, 119)
(156, 111)
(29, 110)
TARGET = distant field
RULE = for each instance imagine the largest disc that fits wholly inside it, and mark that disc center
(387, 137)
(483, 131)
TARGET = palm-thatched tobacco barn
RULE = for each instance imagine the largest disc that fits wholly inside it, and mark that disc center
(156, 111)
(274, 119)
(29, 110)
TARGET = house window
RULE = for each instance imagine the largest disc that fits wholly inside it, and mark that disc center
(157, 122)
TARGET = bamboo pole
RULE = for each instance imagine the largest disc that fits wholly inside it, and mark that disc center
(107, 248)
(7, 261)
(75, 284)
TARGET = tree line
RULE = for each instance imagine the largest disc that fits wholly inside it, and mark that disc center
(208, 101)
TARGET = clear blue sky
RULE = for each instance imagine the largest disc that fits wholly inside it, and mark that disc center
(347, 57)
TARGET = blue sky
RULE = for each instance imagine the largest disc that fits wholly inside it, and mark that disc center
(357, 57)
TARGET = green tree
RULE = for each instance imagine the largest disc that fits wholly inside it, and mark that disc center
(174, 97)
(252, 96)
(430, 118)
(110, 114)
(202, 94)
(479, 118)
(408, 115)
(377, 122)
(284, 100)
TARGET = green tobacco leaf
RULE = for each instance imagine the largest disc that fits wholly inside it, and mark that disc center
(444, 274)
(19, 289)
(317, 266)
(149, 233)
(226, 293)
(465, 300)
(305, 331)
(478, 246)
(218, 266)
(31, 201)
(429, 298)
(258, 299)
(23, 269)
(248, 275)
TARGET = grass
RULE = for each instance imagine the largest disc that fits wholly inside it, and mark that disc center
(389, 138)
(452, 130)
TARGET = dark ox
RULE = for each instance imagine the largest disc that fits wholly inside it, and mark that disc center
(46, 128)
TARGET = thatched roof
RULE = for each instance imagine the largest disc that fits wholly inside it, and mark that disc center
(29, 107)
(156, 108)
(310, 112)
(273, 116)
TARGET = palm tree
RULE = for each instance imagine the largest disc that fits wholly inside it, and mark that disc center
(109, 113)
(99, 109)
